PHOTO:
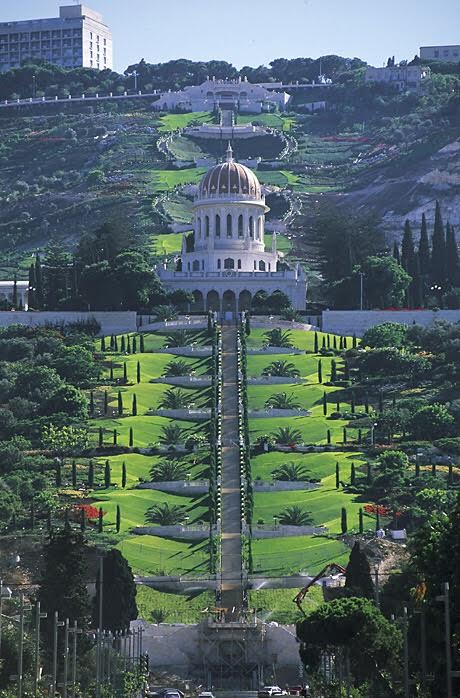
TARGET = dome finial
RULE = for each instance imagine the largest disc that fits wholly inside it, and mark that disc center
(229, 153)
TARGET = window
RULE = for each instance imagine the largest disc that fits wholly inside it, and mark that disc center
(188, 266)
(199, 227)
(251, 226)
(261, 265)
(229, 263)
(217, 226)
(202, 265)
(239, 264)
(196, 265)
(229, 226)
(261, 225)
(218, 263)
(240, 226)
(255, 265)
(436, 53)
(105, 42)
(206, 226)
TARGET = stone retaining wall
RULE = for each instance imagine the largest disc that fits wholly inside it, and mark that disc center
(180, 532)
(278, 413)
(268, 531)
(184, 487)
(110, 322)
(283, 485)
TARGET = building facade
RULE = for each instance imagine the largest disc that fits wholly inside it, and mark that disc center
(447, 54)
(227, 263)
(240, 95)
(403, 77)
(78, 38)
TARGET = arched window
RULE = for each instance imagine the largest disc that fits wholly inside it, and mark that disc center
(261, 265)
(239, 264)
(196, 265)
(217, 226)
(269, 267)
(218, 263)
(202, 265)
(188, 266)
(206, 225)
(229, 263)
(251, 226)
(240, 226)
(199, 227)
(229, 226)
(255, 265)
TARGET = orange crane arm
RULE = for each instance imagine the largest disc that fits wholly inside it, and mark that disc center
(331, 567)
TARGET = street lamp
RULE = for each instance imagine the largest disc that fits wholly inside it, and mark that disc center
(437, 289)
(372, 433)
(361, 289)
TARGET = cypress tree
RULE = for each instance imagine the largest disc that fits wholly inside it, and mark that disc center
(320, 372)
(360, 436)
(324, 342)
(118, 519)
(106, 402)
(324, 404)
(333, 371)
(361, 521)
(343, 521)
(138, 372)
(107, 474)
(352, 403)
(328, 436)
(396, 254)
(344, 342)
(100, 524)
(39, 283)
(134, 408)
(125, 373)
(123, 344)
(123, 474)
(112, 342)
(366, 403)
(417, 284)
(346, 370)
(131, 437)
(424, 249)
(118, 594)
(141, 344)
(438, 256)
(101, 437)
(74, 474)
(91, 403)
(111, 370)
(328, 341)
(32, 286)
(353, 475)
(337, 406)
(355, 341)
(115, 437)
(452, 262)
(407, 247)
(316, 346)
(344, 435)
(450, 479)
(337, 475)
(358, 576)
(128, 346)
(91, 474)
(116, 343)
(417, 467)
(340, 343)
(15, 292)
(433, 469)
(120, 404)
(134, 345)
(103, 344)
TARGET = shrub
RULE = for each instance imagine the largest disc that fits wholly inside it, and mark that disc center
(432, 422)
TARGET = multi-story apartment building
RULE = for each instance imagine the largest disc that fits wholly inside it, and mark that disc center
(447, 54)
(77, 38)
(403, 77)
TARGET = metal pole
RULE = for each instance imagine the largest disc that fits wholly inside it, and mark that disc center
(448, 646)
(406, 654)
(66, 657)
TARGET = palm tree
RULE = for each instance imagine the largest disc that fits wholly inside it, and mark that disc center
(281, 368)
(177, 368)
(166, 514)
(282, 401)
(181, 338)
(295, 516)
(165, 312)
(174, 399)
(171, 434)
(169, 470)
(291, 313)
(292, 472)
(278, 338)
(287, 435)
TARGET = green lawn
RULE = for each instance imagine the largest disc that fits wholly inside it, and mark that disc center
(283, 243)
(301, 339)
(177, 608)
(278, 605)
(281, 122)
(319, 465)
(313, 429)
(165, 180)
(307, 554)
(171, 122)
(166, 243)
(307, 364)
(147, 430)
(150, 555)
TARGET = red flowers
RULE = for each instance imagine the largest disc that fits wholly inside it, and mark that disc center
(91, 512)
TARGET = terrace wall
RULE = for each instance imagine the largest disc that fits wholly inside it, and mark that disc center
(110, 322)
(347, 322)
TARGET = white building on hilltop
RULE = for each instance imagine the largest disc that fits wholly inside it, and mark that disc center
(223, 94)
(405, 78)
(446, 54)
(228, 263)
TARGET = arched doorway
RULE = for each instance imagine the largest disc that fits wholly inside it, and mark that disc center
(244, 301)
(229, 302)
(213, 301)
(198, 302)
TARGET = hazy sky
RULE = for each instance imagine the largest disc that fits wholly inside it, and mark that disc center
(251, 32)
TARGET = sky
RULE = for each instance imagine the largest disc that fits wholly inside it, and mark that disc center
(254, 32)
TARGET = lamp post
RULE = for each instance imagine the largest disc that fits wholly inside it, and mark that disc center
(437, 289)
(34, 86)
(361, 289)
(372, 433)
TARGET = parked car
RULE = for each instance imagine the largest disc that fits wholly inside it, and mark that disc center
(164, 693)
(268, 691)
(206, 694)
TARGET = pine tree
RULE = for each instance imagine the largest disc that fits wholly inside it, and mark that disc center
(424, 249)
(324, 404)
(134, 407)
(141, 344)
(91, 474)
(107, 474)
(337, 475)
(39, 283)
(452, 262)
(138, 372)
(106, 402)
(119, 594)
(358, 576)
(316, 345)
(118, 519)
(438, 257)
(74, 474)
(344, 521)
(396, 254)
(333, 371)
(123, 474)
(120, 404)
(320, 372)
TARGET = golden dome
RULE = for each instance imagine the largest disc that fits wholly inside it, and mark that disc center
(230, 178)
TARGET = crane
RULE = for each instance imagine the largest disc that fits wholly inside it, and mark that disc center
(331, 567)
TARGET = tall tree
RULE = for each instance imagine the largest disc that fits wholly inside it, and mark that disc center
(39, 283)
(424, 249)
(31, 290)
(452, 262)
(119, 606)
(396, 253)
(438, 257)
(358, 577)
(407, 247)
